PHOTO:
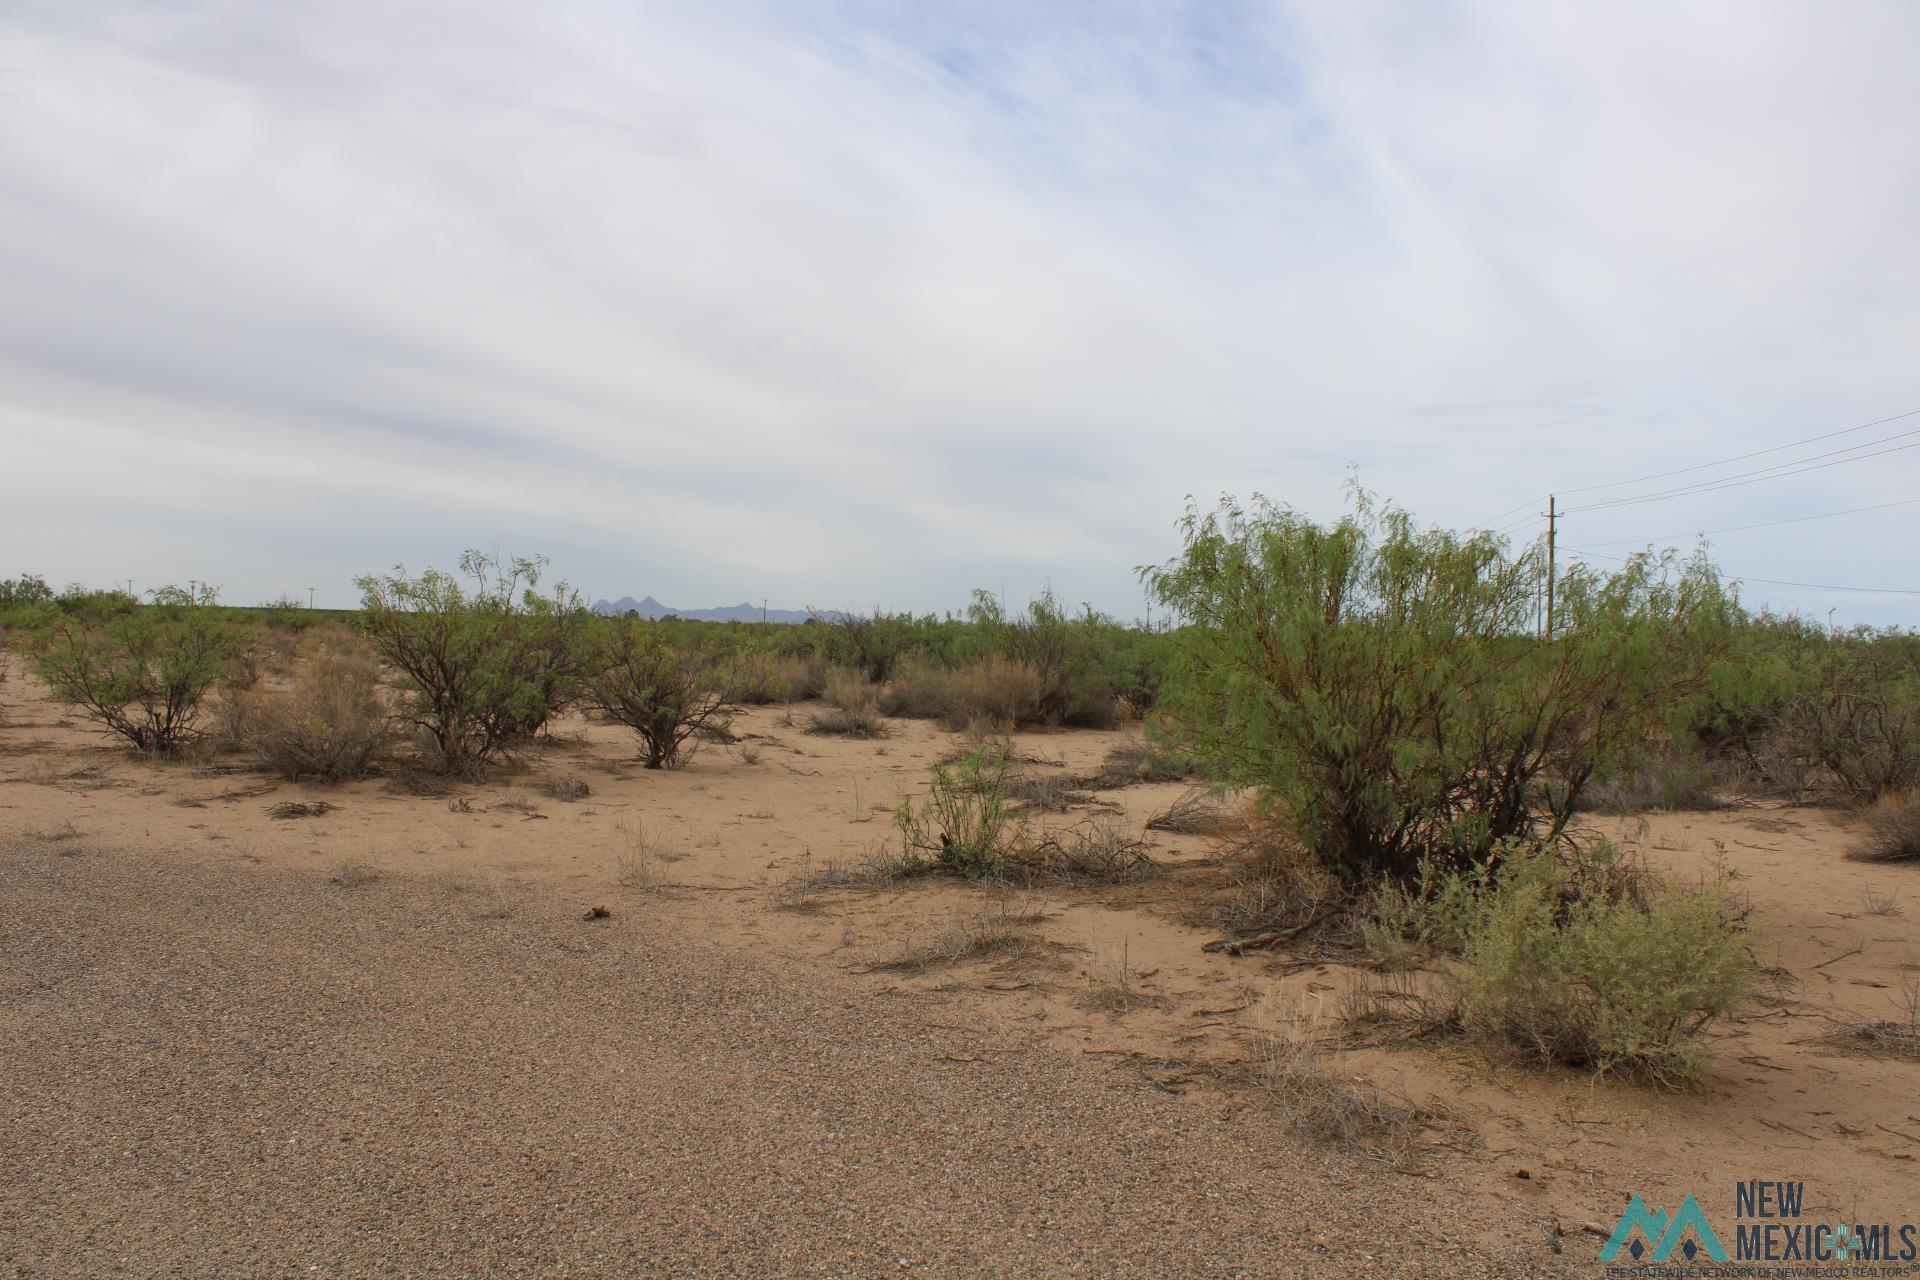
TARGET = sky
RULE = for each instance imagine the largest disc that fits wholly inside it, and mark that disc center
(857, 304)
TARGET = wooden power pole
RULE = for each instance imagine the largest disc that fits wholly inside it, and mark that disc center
(1553, 519)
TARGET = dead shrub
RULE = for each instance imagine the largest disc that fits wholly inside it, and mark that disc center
(1098, 851)
(852, 710)
(331, 723)
(1893, 831)
(1196, 813)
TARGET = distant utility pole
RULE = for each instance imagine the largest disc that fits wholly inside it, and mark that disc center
(309, 597)
(763, 611)
(1553, 521)
(129, 586)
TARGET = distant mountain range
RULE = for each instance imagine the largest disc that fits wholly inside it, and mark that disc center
(651, 608)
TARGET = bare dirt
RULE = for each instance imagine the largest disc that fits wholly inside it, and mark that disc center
(381, 1038)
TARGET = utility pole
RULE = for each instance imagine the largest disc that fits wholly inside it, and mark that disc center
(1553, 520)
(309, 597)
(763, 611)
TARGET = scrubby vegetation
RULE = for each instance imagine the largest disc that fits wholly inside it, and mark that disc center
(486, 664)
(671, 697)
(1380, 682)
(330, 723)
(141, 672)
(1573, 956)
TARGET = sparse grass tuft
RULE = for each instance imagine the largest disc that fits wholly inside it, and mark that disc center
(1001, 932)
(1113, 987)
(351, 875)
(802, 890)
(1322, 1106)
(1896, 1037)
(640, 865)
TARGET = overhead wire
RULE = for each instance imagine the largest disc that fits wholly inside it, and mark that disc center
(1776, 582)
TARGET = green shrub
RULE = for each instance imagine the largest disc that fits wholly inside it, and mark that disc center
(671, 696)
(1859, 717)
(963, 827)
(143, 672)
(1576, 959)
(487, 666)
(330, 723)
(1381, 685)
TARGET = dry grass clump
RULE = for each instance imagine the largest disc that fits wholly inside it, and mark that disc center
(641, 862)
(1113, 987)
(1321, 1106)
(996, 690)
(1196, 813)
(300, 809)
(1896, 1037)
(566, 787)
(330, 724)
(852, 710)
(876, 869)
(1045, 791)
(1001, 932)
(351, 875)
(1893, 831)
(1098, 851)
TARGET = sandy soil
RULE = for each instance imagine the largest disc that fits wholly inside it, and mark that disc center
(162, 899)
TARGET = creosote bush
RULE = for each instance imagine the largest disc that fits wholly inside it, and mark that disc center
(671, 696)
(141, 672)
(330, 723)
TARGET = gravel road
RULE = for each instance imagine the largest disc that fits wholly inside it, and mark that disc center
(236, 1071)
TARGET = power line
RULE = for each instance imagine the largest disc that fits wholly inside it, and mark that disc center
(1777, 582)
(1742, 457)
(1754, 477)
(1509, 511)
(1765, 524)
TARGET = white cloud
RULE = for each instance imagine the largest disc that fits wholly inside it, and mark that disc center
(846, 304)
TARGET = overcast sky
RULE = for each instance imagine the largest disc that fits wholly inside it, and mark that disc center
(845, 304)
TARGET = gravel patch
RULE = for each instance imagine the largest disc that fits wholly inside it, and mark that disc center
(240, 1071)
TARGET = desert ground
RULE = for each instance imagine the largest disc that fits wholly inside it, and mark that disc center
(395, 1037)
